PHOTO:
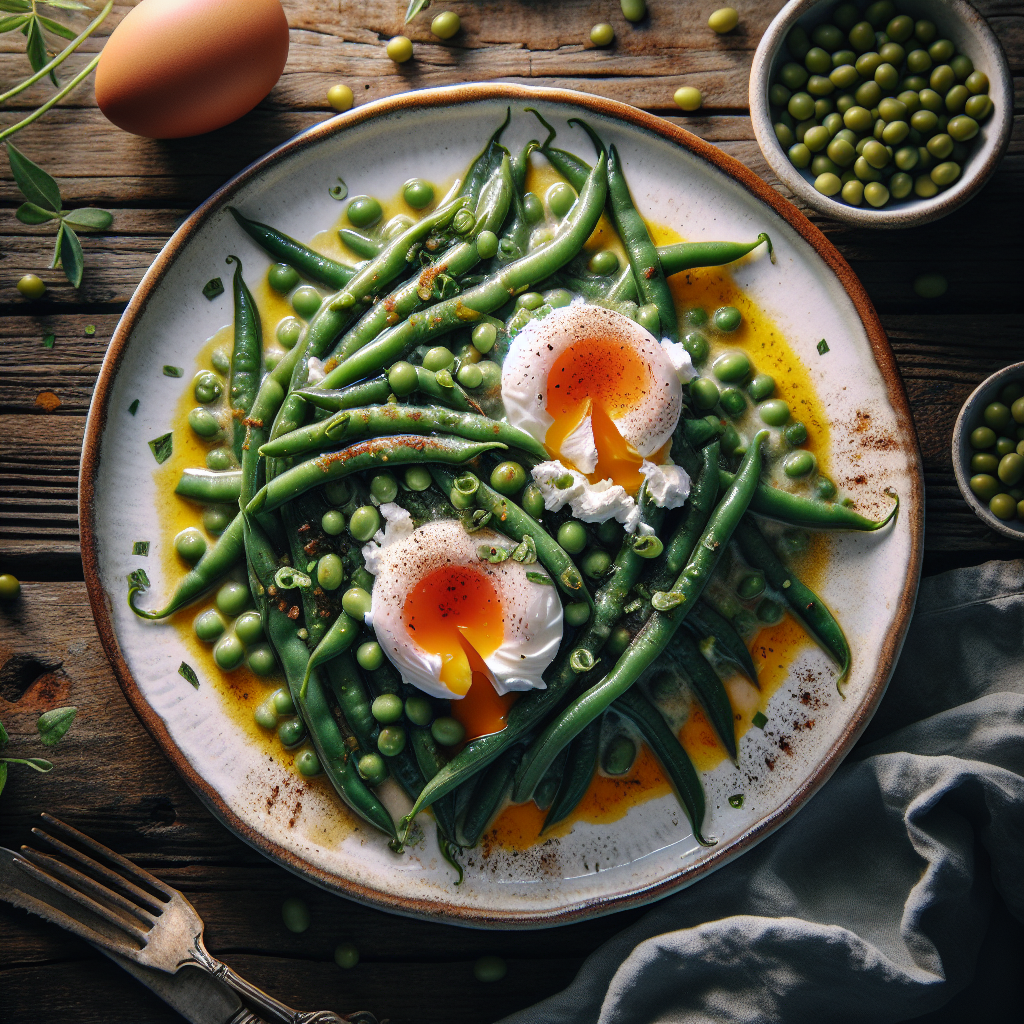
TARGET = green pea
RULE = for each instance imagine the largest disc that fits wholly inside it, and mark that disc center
(283, 703)
(602, 34)
(508, 478)
(307, 763)
(387, 708)
(876, 194)
(203, 423)
(488, 969)
(262, 660)
(816, 139)
(1005, 445)
(289, 330)
(761, 387)
(817, 61)
(843, 76)
(560, 198)
(577, 613)
(797, 42)
(727, 319)
(572, 537)
(383, 488)
(819, 86)
(402, 378)
(282, 278)
(801, 106)
(532, 501)
(249, 627)
(796, 433)
(370, 655)
(1002, 506)
(533, 208)
(925, 31)
(901, 185)
(346, 955)
(977, 82)
(858, 119)
(418, 193)
(530, 300)
(824, 488)
(862, 37)
(364, 523)
(982, 437)
(834, 123)
(484, 336)
(207, 386)
(596, 563)
(941, 50)
(984, 462)
(751, 586)
(356, 602)
(962, 128)
(330, 572)
(774, 412)
(374, 770)
(265, 716)
(295, 915)
(778, 95)
(853, 193)
(633, 10)
(895, 132)
(886, 79)
(906, 159)
(732, 366)
(618, 756)
(798, 464)
(985, 486)
(828, 184)
(945, 174)
(900, 28)
(799, 155)
(704, 393)
(228, 652)
(338, 492)
(1011, 469)
(697, 345)
(291, 731)
(233, 598)
(447, 731)
(220, 459)
(438, 358)
(333, 523)
(306, 301)
(843, 104)
(841, 152)
(209, 626)
(918, 62)
(978, 107)
(733, 402)
(419, 710)
(190, 544)
(769, 612)
(620, 639)
(363, 211)
(892, 53)
(827, 36)
(940, 146)
(416, 478)
(1017, 410)
(997, 416)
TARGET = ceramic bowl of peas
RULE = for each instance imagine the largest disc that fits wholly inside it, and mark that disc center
(988, 451)
(882, 114)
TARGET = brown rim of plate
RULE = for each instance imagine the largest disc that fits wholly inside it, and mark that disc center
(437, 910)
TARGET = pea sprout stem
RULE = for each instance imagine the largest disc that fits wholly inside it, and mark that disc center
(63, 55)
(56, 98)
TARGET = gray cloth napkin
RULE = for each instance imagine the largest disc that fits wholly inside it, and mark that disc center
(871, 904)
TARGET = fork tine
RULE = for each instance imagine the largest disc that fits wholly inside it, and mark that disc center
(84, 883)
(81, 899)
(150, 902)
(133, 870)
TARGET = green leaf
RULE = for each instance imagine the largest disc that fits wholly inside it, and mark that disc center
(161, 447)
(134, 407)
(66, 5)
(138, 580)
(35, 184)
(213, 288)
(29, 213)
(15, 6)
(736, 800)
(187, 673)
(89, 217)
(39, 763)
(141, 547)
(52, 725)
(71, 256)
(759, 720)
(415, 6)
(35, 48)
(822, 347)
(173, 371)
(13, 23)
(49, 340)
(56, 28)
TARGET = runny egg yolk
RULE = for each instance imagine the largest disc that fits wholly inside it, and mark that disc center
(602, 379)
(455, 612)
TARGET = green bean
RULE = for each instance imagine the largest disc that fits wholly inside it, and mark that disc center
(808, 609)
(670, 610)
(382, 420)
(708, 688)
(246, 357)
(796, 510)
(219, 560)
(485, 162)
(508, 518)
(294, 516)
(666, 748)
(336, 758)
(338, 639)
(370, 392)
(691, 255)
(547, 789)
(709, 624)
(400, 450)
(430, 761)
(513, 242)
(209, 486)
(580, 764)
(350, 693)
(449, 393)
(434, 321)
(360, 244)
(492, 206)
(488, 796)
(307, 262)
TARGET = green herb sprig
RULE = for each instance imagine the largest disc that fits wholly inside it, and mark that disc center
(52, 726)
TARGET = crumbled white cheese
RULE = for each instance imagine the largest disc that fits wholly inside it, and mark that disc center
(316, 371)
(680, 359)
(592, 503)
(668, 486)
(397, 526)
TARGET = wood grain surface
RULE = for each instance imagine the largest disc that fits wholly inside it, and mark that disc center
(110, 779)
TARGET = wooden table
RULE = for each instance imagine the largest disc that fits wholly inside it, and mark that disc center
(111, 779)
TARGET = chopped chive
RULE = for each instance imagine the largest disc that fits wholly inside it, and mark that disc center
(134, 407)
(187, 673)
(173, 371)
(736, 800)
(822, 347)
(49, 340)
(539, 577)
(213, 288)
(90, 330)
(161, 447)
(138, 580)
(759, 720)
(339, 191)
(141, 547)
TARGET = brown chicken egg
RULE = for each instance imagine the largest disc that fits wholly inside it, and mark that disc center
(175, 68)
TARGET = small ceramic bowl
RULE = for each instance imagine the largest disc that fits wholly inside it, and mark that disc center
(969, 418)
(956, 20)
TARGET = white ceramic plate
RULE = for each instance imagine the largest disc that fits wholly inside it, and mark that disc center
(871, 582)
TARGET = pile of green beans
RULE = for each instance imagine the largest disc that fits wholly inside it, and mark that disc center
(384, 386)
(876, 106)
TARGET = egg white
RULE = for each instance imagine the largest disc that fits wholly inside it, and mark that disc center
(534, 351)
(401, 556)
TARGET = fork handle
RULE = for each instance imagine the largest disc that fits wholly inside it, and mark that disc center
(266, 1003)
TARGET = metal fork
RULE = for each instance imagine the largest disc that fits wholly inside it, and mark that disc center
(161, 928)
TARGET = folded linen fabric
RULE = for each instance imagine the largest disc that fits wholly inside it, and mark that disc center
(870, 906)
